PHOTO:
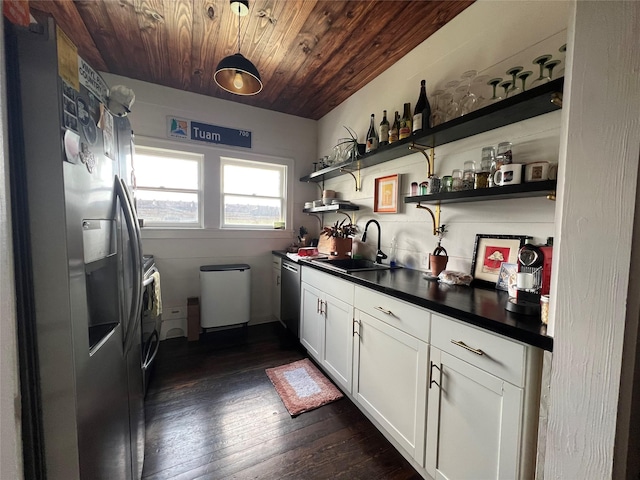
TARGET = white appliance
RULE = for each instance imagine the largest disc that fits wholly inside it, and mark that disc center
(225, 295)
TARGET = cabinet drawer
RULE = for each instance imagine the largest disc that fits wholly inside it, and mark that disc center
(329, 284)
(491, 352)
(410, 319)
(277, 262)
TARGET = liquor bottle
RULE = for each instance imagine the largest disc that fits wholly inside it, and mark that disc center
(422, 112)
(405, 122)
(393, 133)
(372, 136)
(384, 129)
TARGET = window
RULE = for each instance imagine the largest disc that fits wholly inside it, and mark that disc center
(253, 194)
(168, 187)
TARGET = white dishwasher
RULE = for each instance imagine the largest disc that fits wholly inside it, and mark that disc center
(225, 295)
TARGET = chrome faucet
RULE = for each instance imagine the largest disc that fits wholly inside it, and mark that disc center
(379, 254)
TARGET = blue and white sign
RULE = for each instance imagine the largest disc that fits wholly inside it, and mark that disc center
(204, 132)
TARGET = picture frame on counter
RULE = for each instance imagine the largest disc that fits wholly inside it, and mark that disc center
(490, 252)
(386, 194)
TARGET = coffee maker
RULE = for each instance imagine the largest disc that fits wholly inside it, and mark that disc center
(533, 278)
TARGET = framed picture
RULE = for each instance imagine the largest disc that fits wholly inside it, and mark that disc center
(507, 275)
(385, 197)
(490, 252)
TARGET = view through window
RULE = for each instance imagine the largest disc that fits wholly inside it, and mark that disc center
(168, 187)
(253, 193)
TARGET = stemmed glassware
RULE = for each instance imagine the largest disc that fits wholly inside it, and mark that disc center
(438, 115)
(452, 109)
(494, 82)
(478, 85)
(522, 76)
(514, 85)
(550, 66)
(469, 99)
(507, 86)
(563, 59)
(540, 61)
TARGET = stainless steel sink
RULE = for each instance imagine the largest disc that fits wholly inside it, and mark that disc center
(348, 265)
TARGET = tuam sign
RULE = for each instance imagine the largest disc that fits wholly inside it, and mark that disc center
(191, 130)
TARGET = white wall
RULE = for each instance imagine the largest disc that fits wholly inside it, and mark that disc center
(490, 37)
(599, 168)
(10, 441)
(180, 252)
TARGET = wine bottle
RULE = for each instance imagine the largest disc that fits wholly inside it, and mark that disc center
(405, 122)
(393, 133)
(372, 136)
(422, 112)
(384, 129)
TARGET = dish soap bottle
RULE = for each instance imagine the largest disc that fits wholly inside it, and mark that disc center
(393, 252)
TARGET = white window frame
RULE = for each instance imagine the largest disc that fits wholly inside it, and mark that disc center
(263, 165)
(173, 153)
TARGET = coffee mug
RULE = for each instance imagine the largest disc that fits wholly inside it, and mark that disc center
(510, 174)
(536, 172)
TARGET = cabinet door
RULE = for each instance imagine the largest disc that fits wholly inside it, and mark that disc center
(338, 340)
(390, 381)
(311, 322)
(473, 424)
(276, 290)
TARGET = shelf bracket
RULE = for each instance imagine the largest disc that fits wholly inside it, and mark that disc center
(350, 172)
(434, 216)
(552, 196)
(351, 220)
(429, 156)
(317, 218)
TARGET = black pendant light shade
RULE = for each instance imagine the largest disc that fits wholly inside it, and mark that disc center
(238, 75)
(235, 73)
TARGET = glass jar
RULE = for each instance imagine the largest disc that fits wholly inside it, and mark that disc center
(456, 180)
(482, 174)
(447, 183)
(434, 185)
(468, 175)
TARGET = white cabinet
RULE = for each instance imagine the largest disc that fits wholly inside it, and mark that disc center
(390, 378)
(475, 411)
(327, 323)
(276, 287)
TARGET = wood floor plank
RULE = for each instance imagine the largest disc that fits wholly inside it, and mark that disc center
(212, 413)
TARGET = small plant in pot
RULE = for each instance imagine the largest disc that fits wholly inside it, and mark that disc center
(349, 147)
(340, 238)
(439, 258)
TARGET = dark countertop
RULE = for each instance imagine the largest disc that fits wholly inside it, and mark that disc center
(477, 306)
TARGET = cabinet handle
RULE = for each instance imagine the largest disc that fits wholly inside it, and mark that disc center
(460, 343)
(322, 310)
(431, 380)
(388, 312)
(354, 327)
(318, 306)
(278, 281)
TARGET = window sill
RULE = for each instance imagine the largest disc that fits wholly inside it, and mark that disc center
(181, 233)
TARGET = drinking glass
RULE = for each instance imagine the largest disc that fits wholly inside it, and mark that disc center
(506, 85)
(523, 78)
(563, 59)
(456, 180)
(469, 99)
(514, 85)
(504, 154)
(468, 175)
(438, 115)
(540, 61)
(494, 82)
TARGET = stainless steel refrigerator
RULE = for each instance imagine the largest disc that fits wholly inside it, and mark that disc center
(78, 265)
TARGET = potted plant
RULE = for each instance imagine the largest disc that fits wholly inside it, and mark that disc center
(303, 240)
(340, 238)
(349, 148)
(439, 258)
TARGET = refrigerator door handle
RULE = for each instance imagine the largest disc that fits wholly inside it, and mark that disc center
(134, 237)
(148, 361)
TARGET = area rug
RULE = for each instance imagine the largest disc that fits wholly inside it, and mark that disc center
(302, 387)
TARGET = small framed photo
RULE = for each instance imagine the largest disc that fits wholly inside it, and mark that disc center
(385, 198)
(490, 252)
(507, 276)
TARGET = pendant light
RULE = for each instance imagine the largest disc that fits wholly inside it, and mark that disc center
(235, 73)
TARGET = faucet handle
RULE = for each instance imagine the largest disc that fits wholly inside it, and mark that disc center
(380, 255)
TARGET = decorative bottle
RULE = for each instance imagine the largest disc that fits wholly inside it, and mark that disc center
(372, 136)
(422, 112)
(384, 129)
(393, 133)
(405, 122)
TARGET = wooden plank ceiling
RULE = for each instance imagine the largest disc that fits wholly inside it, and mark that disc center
(311, 54)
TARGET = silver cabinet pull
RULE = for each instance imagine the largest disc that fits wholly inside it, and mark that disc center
(322, 309)
(318, 306)
(460, 343)
(388, 312)
(354, 327)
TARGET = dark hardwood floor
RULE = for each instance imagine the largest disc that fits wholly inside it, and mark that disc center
(212, 413)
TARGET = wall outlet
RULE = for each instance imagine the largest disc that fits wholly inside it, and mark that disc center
(424, 261)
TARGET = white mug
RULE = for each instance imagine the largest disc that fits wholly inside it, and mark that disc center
(536, 172)
(509, 174)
